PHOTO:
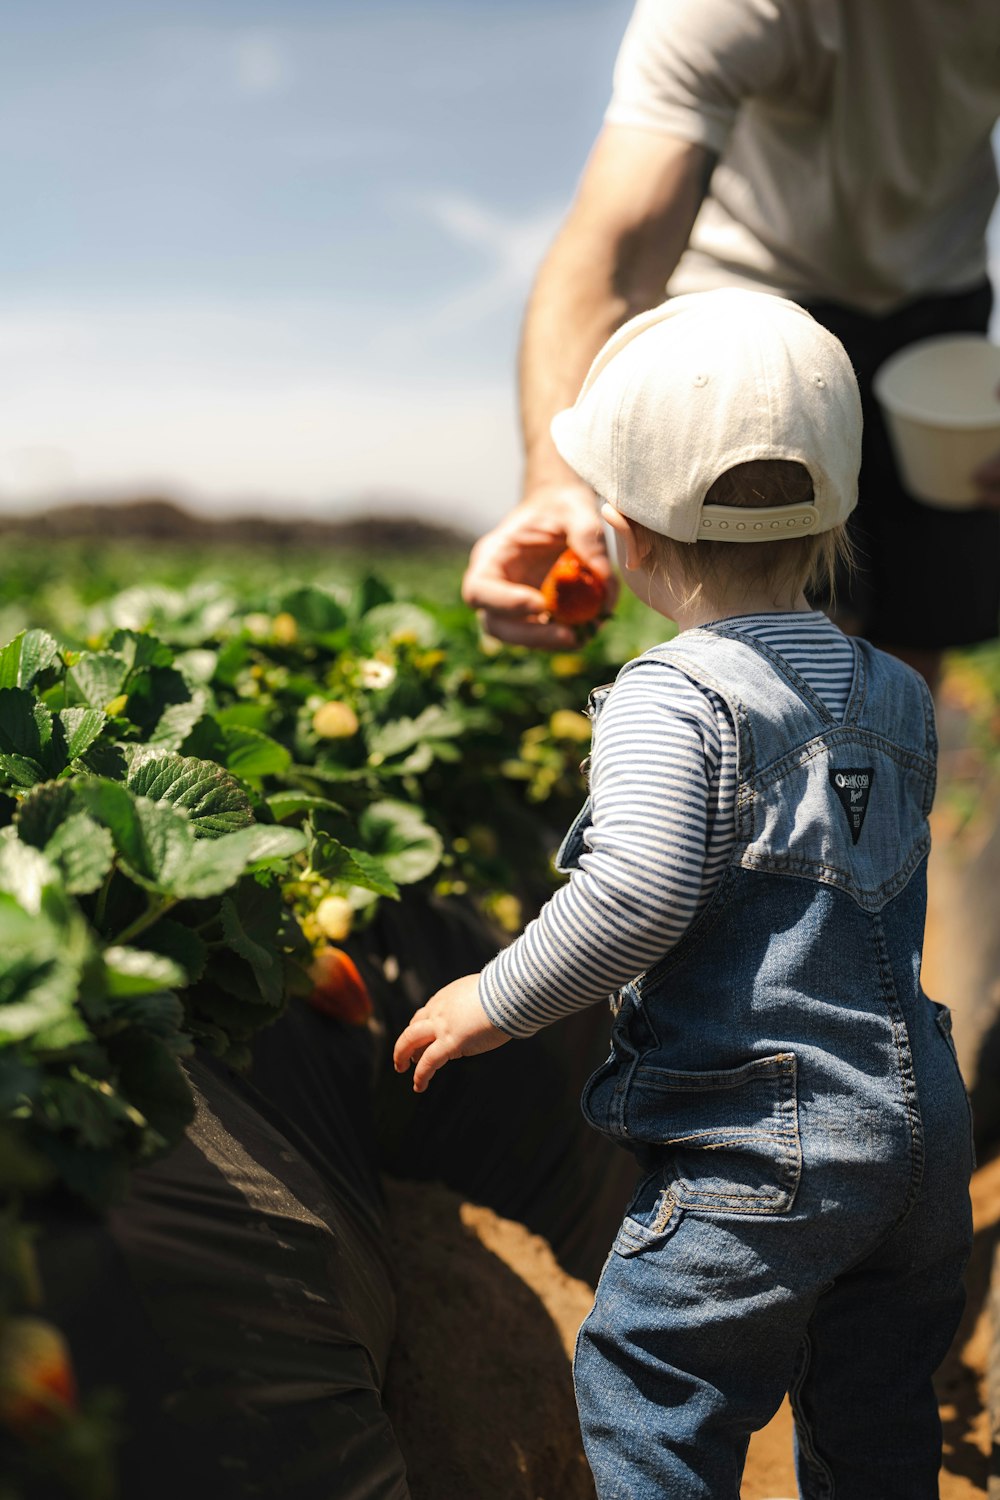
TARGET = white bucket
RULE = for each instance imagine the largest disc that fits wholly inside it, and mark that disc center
(943, 413)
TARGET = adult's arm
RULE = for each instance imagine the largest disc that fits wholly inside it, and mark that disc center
(630, 221)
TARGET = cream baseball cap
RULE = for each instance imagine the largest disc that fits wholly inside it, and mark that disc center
(704, 382)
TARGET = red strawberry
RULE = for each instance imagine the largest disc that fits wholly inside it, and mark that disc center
(572, 591)
(338, 989)
(37, 1387)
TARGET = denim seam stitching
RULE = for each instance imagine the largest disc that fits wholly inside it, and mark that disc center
(820, 744)
(817, 1463)
(764, 1208)
(767, 1195)
(706, 1084)
(806, 868)
(898, 1025)
(741, 1132)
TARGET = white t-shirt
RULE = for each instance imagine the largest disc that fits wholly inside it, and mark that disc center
(853, 136)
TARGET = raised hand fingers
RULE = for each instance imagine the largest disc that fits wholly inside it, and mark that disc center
(420, 1045)
(484, 591)
(545, 634)
(412, 1042)
(431, 1060)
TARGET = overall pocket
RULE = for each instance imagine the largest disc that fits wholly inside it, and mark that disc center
(605, 1094)
(730, 1137)
(650, 1219)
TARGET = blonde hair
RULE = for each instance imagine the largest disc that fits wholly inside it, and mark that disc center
(809, 562)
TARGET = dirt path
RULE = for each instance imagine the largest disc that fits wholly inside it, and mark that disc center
(480, 1391)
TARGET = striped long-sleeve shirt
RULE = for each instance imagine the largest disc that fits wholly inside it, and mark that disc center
(663, 800)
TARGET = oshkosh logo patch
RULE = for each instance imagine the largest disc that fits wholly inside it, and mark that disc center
(853, 786)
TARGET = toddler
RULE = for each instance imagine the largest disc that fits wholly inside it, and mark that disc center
(747, 879)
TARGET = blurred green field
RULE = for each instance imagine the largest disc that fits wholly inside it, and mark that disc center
(54, 585)
(50, 584)
(58, 584)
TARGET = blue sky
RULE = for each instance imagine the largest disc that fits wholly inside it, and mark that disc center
(254, 252)
(278, 254)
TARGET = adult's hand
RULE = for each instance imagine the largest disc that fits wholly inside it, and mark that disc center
(508, 564)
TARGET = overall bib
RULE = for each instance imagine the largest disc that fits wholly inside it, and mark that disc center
(794, 1100)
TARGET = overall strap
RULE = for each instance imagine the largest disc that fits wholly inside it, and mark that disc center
(772, 707)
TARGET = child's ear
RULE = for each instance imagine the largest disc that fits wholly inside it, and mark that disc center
(633, 538)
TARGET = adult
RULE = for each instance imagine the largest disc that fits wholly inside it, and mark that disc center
(833, 151)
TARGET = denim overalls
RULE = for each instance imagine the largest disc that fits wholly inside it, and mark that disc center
(795, 1103)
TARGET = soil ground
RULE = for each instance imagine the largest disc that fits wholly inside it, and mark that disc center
(480, 1391)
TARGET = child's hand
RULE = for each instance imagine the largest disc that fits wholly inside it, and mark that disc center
(451, 1024)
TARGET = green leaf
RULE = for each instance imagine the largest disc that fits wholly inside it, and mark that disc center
(287, 804)
(159, 1013)
(197, 666)
(80, 727)
(43, 811)
(161, 846)
(213, 866)
(87, 1108)
(134, 971)
(214, 802)
(48, 819)
(419, 760)
(41, 969)
(316, 610)
(139, 649)
(26, 874)
(26, 657)
(19, 770)
(335, 861)
(266, 843)
(25, 734)
(180, 943)
(113, 804)
(369, 592)
(405, 845)
(251, 921)
(251, 715)
(153, 1083)
(178, 719)
(39, 652)
(250, 754)
(98, 677)
(230, 997)
(83, 851)
(152, 692)
(153, 839)
(400, 622)
(106, 760)
(438, 722)
(10, 662)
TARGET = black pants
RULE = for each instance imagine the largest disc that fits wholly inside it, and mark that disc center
(926, 578)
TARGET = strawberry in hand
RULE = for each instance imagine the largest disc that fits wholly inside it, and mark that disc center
(573, 593)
